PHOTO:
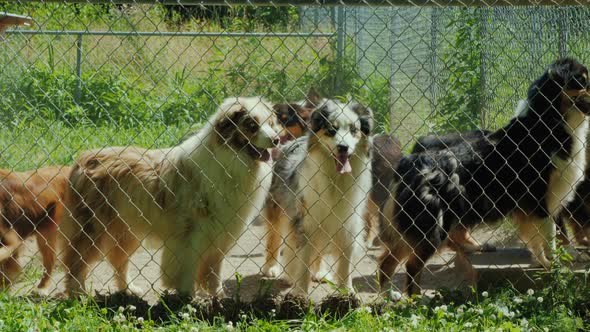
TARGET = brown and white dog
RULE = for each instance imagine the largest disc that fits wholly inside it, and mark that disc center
(193, 200)
(30, 205)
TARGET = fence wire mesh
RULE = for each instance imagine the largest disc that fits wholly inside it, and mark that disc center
(189, 187)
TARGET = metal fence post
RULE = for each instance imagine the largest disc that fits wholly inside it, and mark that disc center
(78, 92)
(340, 31)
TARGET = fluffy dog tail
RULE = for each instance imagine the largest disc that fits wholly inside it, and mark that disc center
(427, 187)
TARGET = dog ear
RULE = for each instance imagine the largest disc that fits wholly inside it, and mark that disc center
(283, 112)
(313, 99)
(366, 117)
(304, 113)
(226, 126)
(319, 119)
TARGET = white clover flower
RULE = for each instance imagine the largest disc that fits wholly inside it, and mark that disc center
(414, 321)
(540, 299)
(121, 309)
(190, 309)
(140, 320)
(503, 310)
(493, 317)
(395, 296)
(364, 309)
(485, 294)
(386, 316)
(194, 329)
(460, 311)
(119, 318)
(517, 300)
(131, 308)
(244, 317)
(524, 322)
(185, 316)
(468, 325)
(530, 292)
(230, 325)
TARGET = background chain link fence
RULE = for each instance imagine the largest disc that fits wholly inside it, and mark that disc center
(97, 75)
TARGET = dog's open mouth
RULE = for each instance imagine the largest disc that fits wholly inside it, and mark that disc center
(259, 154)
(342, 163)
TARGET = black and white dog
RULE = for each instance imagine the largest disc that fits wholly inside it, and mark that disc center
(526, 170)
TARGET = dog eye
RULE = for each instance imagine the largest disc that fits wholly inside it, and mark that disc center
(251, 125)
(331, 131)
(353, 130)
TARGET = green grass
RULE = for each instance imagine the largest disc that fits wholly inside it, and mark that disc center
(43, 143)
(498, 311)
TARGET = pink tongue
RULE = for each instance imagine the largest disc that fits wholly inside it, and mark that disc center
(342, 164)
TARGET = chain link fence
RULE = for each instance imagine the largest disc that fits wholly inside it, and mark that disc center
(183, 193)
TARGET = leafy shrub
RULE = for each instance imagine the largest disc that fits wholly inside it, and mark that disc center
(234, 18)
(461, 105)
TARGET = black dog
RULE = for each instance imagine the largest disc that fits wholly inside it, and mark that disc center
(524, 170)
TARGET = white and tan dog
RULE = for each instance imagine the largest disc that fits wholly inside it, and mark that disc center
(192, 200)
(320, 192)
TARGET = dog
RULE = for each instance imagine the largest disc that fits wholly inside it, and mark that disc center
(31, 204)
(460, 237)
(525, 170)
(192, 200)
(319, 193)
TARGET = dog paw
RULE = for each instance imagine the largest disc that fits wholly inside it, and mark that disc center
(323, 276)
(392, 295)
(271, 271)
(41, 291)
(133, 289)
(61, 296)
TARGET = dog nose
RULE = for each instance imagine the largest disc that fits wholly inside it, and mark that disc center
(276, 141)
(342, 148)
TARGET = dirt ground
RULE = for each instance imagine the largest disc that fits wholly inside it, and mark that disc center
(246, 258)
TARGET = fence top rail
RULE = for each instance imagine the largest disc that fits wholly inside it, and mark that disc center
(421, 3)
(170, 33)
